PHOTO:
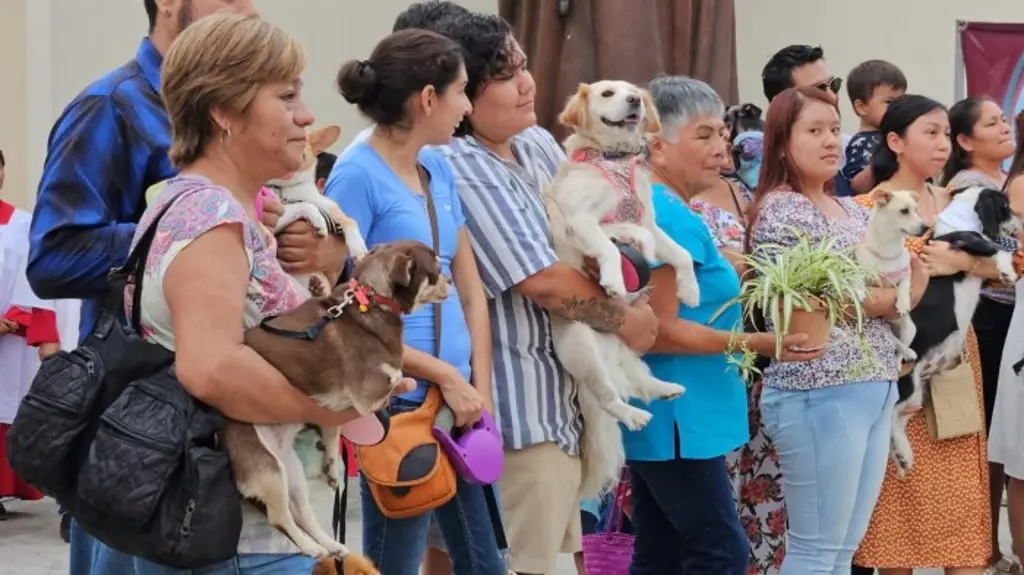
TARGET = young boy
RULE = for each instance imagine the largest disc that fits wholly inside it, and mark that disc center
(871, 86)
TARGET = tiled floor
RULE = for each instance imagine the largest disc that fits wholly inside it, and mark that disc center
(30, 545)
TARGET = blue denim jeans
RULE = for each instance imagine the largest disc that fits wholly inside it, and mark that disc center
(91, 557)
(833, 444)
(397, 546)
(685, 519)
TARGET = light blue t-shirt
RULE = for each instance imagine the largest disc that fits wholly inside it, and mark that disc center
(711, 417)
(369, 192)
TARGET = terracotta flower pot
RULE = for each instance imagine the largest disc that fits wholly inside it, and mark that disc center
(814, 323)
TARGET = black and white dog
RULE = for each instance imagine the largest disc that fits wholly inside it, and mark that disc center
(977, 221)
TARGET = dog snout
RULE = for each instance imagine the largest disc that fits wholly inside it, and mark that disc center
(443, 286)
(633, 100)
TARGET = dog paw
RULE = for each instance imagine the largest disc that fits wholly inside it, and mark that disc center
(687, 290)
(356, 245)
(319, 286)
(331, 474)
(635, 418)
(908, 355)
(1008, 278)
(337, 549)
(674, 390)
(614, 287)
(314, 549)
(903, 463)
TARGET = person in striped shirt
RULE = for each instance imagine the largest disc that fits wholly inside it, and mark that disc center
(501, 160)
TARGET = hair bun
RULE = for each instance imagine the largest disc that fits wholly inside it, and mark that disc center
(357, 82)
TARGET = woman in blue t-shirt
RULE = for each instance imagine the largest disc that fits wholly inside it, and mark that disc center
(683, 507)
(413, 88)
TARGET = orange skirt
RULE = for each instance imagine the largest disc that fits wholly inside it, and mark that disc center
(938, 516)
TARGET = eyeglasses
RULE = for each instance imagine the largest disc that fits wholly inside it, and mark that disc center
(834, 84)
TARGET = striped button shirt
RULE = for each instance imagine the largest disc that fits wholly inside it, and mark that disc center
(534, 397)
(105, 150)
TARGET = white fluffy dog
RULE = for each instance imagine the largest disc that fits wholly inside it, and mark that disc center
(603, 193)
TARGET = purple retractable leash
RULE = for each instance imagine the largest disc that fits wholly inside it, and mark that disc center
(476, 452)
(477, 455)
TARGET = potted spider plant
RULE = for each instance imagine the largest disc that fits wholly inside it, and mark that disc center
(808, 287)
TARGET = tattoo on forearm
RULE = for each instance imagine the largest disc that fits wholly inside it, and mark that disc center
(600, 314)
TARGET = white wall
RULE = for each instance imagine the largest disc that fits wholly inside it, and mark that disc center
(54, 48)
(916, 35)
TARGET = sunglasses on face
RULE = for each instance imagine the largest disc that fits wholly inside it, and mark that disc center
(833, 84)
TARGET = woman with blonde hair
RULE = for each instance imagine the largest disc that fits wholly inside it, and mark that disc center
(234, 97)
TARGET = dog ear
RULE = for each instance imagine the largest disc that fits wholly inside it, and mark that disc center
(752, 110)
(401, 269)
(324, 138)
(575, 111)
(653, 121)
(993, 208)
(915, 195)
(881, 197)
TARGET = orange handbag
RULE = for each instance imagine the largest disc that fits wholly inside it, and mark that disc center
(408, 473)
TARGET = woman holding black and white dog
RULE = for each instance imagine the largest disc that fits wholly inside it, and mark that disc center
(937, 516)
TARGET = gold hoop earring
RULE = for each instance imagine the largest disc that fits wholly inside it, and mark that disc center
(224, 135)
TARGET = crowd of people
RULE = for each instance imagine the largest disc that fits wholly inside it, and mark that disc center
(786, 474)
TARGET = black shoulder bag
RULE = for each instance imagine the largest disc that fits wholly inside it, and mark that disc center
(109, 432)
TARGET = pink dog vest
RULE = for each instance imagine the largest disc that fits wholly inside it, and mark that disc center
(621, 174)
(894, 277)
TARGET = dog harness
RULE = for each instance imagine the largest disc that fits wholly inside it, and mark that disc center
(620, 171)
(356, 293)
(894, 277)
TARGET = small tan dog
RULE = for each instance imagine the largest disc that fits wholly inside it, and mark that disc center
(893, 219)
(603, 193)
(302, 200)
(343, 351)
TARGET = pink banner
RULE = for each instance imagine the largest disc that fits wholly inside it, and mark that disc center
(994, 63)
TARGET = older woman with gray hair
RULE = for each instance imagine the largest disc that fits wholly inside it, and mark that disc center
(754, 467)
(683, 504)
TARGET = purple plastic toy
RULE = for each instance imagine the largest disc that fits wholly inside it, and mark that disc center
(476, 454)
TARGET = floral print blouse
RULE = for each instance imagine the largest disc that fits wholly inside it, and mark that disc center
(199, 207)
(846, 360)
(728, 230)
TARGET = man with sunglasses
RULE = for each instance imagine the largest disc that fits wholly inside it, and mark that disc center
(799, 65)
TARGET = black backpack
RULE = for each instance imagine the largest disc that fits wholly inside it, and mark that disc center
(109, 432)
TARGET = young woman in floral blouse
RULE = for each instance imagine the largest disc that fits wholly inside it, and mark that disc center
(830, 423)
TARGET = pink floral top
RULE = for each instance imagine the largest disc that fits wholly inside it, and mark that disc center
(846, 360)
(726, 228)
(199, 208)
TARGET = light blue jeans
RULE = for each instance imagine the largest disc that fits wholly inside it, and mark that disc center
(90, 557)
(833, 444)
